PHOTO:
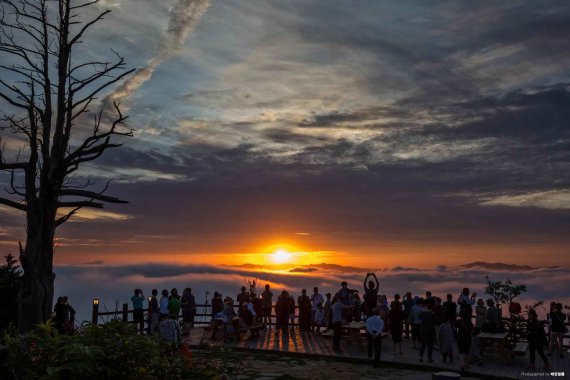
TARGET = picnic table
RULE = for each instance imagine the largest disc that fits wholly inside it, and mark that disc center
(495, 342)
(352, 331)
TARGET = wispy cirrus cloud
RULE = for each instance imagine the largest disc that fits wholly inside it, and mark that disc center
(556, 200)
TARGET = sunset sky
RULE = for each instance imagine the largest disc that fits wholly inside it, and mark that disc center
(364, 133)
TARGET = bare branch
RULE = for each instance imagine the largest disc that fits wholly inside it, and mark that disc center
(66, 217)
(13, 204)
(80, 204)
(90, 194)
(86, 26)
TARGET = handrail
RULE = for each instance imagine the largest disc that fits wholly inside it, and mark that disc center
(203, 307)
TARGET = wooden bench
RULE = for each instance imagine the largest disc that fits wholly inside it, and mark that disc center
(520, 349)
(254, 329)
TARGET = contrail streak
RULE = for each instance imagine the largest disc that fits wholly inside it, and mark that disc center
(184, 17)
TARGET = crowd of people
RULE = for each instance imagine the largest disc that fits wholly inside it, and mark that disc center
(164, 313)
(428, 322)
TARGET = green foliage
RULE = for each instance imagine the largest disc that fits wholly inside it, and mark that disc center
(503, 292)
(10, 284)
(109, 351)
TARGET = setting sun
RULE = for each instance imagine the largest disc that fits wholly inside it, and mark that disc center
(281, 256)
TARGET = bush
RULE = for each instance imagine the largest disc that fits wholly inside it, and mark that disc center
(10, 284)
(109, 351)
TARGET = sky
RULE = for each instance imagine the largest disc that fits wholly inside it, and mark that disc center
(376, 134)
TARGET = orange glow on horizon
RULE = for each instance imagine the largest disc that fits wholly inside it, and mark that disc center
(302, 253)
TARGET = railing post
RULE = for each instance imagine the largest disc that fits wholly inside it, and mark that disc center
(95, 313)
(125, 312)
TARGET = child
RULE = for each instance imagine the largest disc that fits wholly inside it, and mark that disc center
(445, 338)
(170, 331)
(319, 317)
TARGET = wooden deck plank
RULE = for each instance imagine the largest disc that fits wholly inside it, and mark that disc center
(309, 344)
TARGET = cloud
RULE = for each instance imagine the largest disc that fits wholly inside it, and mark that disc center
(110, 282)
(555, 200)
(184, 17)
(302, 270)
(87, 214)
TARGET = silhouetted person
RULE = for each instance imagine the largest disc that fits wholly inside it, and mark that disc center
(163, 305)
(188, 310)
(464, 331)
(69, 314)
(536, 339)
(153, 312)
(465, 301)
(292, 310)
(451, 313)
(328, 312)
(267, 304)
(59, 318)
(282, 313)
(370, 293)
(138, 315)
(217, 304)
(407, 304)
(304, 311)
(174, 303)
(427, 332)
(255, 303)
(337, 311)
(395, 324)
(316, 299)
(243, 296)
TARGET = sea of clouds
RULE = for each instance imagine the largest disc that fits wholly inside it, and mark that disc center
(114, 284)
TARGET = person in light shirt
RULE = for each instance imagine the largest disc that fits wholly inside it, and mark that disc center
(316, 299)
(374, 327)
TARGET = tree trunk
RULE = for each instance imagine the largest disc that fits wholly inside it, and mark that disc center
(36, 295)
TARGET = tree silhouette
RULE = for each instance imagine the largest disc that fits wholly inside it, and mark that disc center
(47, 93)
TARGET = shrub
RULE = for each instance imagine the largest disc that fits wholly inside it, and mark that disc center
(108, 351)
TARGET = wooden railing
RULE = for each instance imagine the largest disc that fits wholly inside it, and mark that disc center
(204, 315)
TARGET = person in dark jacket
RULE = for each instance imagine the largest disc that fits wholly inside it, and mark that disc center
(407, 304)
(451, 314)
(536, 339)
(304, 311)
(395, 322)
(464, 331)
(59, 317)
(217, 304)
(370, 293)
(427, 332)
(557, 329)
(282, 313)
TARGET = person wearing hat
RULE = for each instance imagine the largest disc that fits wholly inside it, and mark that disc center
(492, 317)
(374, 327)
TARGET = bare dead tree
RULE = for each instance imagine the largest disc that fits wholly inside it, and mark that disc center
(49, 95)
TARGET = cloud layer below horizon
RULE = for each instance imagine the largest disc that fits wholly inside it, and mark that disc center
(112, 283)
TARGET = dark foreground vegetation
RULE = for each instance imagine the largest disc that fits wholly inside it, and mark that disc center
(110, 351)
